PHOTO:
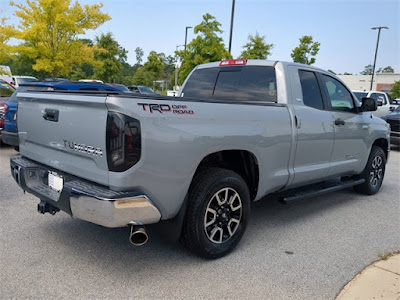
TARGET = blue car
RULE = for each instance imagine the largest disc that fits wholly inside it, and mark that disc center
(9, 134)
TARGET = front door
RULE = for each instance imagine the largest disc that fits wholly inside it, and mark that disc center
(351, 129)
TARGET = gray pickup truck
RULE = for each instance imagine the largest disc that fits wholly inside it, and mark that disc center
(239, 130)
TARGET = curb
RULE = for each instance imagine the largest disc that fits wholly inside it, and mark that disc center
(380, 280)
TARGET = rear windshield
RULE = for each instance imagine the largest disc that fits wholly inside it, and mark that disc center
(23, 80)
(250, 83)
(145, 89)
(360, 95)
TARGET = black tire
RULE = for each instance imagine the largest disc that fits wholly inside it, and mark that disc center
(196, 234)
(16, 148)
(373, 173)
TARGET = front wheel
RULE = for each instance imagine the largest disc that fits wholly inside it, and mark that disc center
(217, 213)
(373, 173)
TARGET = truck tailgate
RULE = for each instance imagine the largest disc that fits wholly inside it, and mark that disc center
(65, 131)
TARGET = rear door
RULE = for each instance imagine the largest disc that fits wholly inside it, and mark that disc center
(65, 131)
(314, 123)
(351, 128)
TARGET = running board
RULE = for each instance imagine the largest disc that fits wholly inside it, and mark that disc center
(319, 189)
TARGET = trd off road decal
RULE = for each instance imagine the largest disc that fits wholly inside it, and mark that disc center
(166, 108)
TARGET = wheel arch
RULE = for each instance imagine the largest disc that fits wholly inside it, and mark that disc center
(382, 143)
(242, 162)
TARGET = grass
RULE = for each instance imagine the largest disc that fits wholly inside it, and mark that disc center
(386, 255)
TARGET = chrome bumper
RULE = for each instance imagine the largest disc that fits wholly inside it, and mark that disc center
(113, 212)
(82, 199)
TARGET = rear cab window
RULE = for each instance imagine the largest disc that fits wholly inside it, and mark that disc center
(233, 83)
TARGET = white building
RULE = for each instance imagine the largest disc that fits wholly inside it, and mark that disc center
(382, 81)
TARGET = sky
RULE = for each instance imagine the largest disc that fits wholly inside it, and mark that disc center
(342, 27)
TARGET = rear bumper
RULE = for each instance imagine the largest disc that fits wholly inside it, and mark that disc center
(10, 138)
(82, 199)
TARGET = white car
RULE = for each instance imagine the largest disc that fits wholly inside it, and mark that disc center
(16, 80)
(90, 80)
(384, 101)
(5, 74)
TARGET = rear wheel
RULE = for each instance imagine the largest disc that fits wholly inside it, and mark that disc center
(373, 173)
(217, 213)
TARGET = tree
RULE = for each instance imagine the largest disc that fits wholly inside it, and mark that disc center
(6, 32)
(142, 77)
(388, 69)
(347, 73)
(139, 55)
(111, 56)
(208, 46)
(256, 48)
(395, 91)
(307, 50)
(153, 69)
(50, 29)
(368, 69)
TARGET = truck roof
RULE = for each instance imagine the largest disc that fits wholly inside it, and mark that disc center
(259, 62)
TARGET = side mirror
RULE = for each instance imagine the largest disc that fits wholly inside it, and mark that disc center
(368, 104)
(380, 101)
(392, 108)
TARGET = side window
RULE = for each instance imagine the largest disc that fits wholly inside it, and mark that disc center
(339, 96)
(311, 91)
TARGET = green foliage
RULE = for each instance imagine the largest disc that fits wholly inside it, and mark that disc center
(388, 69)
(111, 56)
(157, 67)
(346, 73)
(368, 69)
(139, 55)
(50, 29)
(142, 77)
(256, 48)
(307, 50)
(395, 91)
(207, 47)
(6, 32)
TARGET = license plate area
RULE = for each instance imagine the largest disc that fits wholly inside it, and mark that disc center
(55, 181)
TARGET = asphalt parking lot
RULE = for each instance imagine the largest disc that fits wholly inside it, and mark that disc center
(304, 250)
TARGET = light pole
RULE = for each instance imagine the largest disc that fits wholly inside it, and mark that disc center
(376, 51)
(176, 68)
(187, 27)
(230, 35)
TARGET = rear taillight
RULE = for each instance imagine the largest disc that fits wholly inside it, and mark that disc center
(5, 107)
(2, 112)
(123, 142)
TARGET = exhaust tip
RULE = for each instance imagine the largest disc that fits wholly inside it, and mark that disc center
(138, 236)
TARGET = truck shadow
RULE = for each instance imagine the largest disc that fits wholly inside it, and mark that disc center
(110, 247)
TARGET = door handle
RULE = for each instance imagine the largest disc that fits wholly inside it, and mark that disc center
(51, 115)
(298, 122)
(339, 122)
